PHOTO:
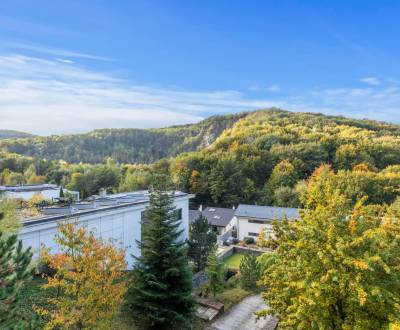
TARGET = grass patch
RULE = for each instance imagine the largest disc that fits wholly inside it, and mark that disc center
(230, 297)
(234, 260)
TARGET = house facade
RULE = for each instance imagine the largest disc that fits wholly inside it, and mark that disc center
(115, 217)
(251, 219)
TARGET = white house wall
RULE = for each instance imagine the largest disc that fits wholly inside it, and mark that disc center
(244, 227)
(120, 225)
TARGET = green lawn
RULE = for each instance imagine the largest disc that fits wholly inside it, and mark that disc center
(234, 260)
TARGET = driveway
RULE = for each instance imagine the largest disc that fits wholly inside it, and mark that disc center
(241, 317)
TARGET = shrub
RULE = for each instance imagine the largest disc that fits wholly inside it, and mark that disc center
(232, 282)
(248, 240)
(232, 296)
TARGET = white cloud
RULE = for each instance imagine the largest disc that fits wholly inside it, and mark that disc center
(373, 81)
(53, 51)
(269, 88)
(48, 97)
(51, 97)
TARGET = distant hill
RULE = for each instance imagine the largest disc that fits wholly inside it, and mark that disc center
(10, 134)
(308, 135)
(124, 145)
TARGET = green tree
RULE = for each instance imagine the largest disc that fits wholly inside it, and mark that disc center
(215, 272)
(286, 197)
(283, 175)
(9, 219)
(336, 268)
(250, 271)
(201, 241)
(160, 292)
(15, 272)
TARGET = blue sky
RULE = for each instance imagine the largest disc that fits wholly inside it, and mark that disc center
(72, 66)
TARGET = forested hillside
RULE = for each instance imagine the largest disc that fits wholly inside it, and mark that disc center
(259, 157)
(10, 134)
(265, 156)
(124, 145)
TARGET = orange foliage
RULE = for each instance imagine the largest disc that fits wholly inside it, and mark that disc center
(89, 280)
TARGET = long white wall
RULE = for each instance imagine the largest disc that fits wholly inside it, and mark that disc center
(121, 225)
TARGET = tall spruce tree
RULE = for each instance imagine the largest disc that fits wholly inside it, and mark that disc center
(215, 271)
(160, 291)
(201, 242)
(14, 272)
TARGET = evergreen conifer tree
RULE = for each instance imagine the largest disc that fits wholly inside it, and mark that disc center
(201, 242)
(14, 272)
(160, 292)
(215, 272)
(249, 271)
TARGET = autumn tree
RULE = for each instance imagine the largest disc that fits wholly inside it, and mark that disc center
(15, 271)
(160, 294)
(201, 241)
(215, 272)
(337, 267)
(89, 280)
(9, 219)
(262, 239)
(283, 175)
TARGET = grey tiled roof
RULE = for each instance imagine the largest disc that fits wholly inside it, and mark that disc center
(216, 216)
(193, 215)
(266, 212)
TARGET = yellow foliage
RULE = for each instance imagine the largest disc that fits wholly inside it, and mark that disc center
(89, 278)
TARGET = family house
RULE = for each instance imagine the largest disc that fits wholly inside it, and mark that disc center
(251, 219)
(218, 217)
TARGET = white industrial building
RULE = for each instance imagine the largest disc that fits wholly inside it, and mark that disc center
(26, 192)
(113, 217)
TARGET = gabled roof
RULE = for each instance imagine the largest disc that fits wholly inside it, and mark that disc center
(193, 215)
(216, 216)
(267, 212)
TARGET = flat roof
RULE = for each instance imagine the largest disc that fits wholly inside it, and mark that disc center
(140, 197)
(267, 212)
(29, 187)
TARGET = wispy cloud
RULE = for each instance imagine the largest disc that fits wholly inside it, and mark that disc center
(265, 88)
(48, 96)
(53, 51)
(45, 96)
(371, 81)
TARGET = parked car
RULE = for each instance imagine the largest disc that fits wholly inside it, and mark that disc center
(230, 241)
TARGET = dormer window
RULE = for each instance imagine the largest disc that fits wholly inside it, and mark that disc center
(217, 217)
(211, 210)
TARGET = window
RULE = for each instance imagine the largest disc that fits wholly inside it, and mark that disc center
(178, 214)
(217, 217)
(256, 221)
(253, 234)
(211, 210)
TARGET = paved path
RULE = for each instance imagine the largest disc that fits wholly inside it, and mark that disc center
(241, 316)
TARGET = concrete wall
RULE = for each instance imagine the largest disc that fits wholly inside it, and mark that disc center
(120, 225)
